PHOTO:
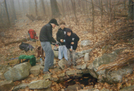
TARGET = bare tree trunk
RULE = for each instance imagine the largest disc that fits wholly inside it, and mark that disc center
(36, 11)
(92, 16)
(74, 10)
(131, 10)
(101, 5)
(14, 13)
(9, 23)
(55, 9)
(110, 10)
(63, 8)
(43, 6)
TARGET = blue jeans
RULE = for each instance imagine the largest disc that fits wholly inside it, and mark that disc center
(49, 55)
(63, 51)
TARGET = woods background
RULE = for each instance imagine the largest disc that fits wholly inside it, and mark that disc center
(12, 11)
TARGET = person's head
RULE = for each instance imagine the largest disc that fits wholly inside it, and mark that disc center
(69, 32)
(53, 22)
(62, 25)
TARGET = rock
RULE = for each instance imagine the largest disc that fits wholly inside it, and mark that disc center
(40, 84)
(90, 66)
(96, 90)
(78, 72)
(18, 72)
(104, 89)
(85, 71)
(47, 76)
(86, 43)
(55, 79)
(70, 72)
(56, 53)
(35, 70)
(73, 87)
(61, 75)
(21, 86)
(78, 61)
(2, 76)
(93, 73)
(105, 59)
(130, 88)
(117, 75)
(86, 57)
(41, 67)
(62, 63)
(83, 66)
(6, 85)
(55, 61)
(48, 89)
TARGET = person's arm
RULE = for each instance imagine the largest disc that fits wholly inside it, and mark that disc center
(77, 38)
(68, 44)
(49, 35)
(58, 36)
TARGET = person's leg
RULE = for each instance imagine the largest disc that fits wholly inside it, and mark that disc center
(69, 57)
(65, 52)
(49, 55)
(73, 58)
(60, 55)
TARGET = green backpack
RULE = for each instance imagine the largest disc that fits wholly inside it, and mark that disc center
(26, 58)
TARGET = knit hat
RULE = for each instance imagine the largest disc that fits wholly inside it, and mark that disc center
(54, 21)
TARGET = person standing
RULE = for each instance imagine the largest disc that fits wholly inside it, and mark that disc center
(71, 44)
(61, 34)
(46, 40)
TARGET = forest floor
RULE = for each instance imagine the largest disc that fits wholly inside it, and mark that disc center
(83, 29)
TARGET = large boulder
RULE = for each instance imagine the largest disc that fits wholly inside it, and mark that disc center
(105, 75)
(40, 84)
(86, 43)
(18, 72)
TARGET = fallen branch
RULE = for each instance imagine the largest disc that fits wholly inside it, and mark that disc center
(18, 41)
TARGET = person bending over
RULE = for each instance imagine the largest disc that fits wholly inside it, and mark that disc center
(71, 44)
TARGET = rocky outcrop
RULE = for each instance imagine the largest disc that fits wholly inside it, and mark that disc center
(105, 75)
(18, 72)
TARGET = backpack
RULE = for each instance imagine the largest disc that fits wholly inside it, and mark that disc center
(26, 58)
(25, 46)
(32, 34)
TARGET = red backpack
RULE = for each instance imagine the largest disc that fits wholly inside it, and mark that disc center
(32, 34)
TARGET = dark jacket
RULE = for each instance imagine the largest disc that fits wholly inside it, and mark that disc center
(46, 34)
(61, 34)
(73, 38)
